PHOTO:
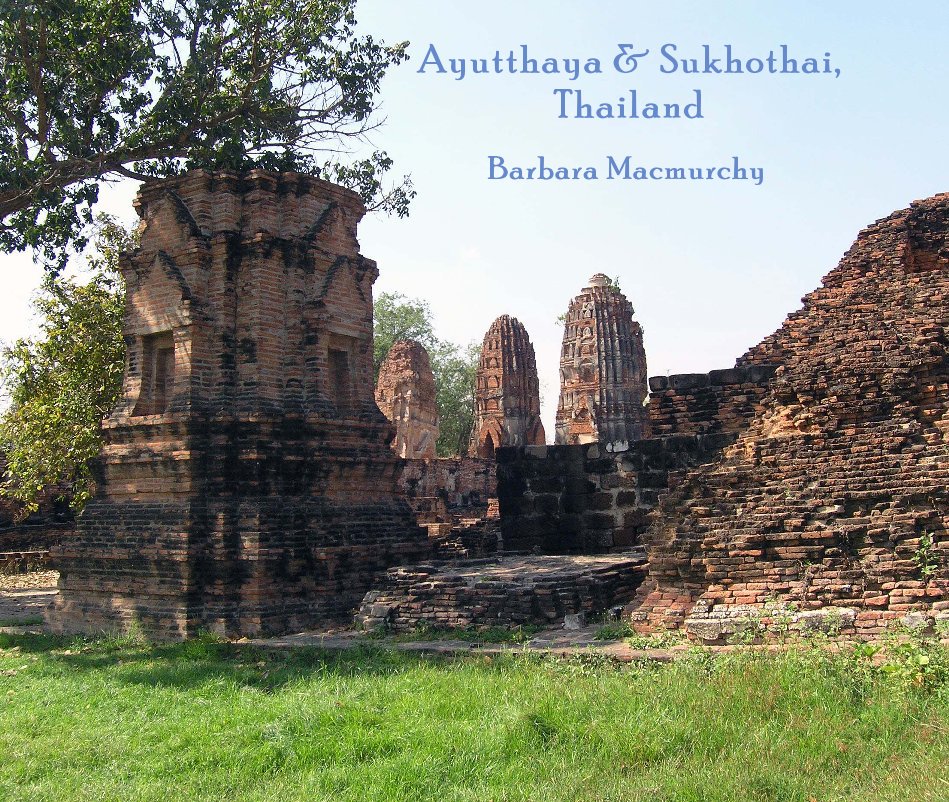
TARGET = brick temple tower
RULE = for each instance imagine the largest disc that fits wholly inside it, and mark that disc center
(602, 370)
(405, 392)
(245, 481)
(507, 399)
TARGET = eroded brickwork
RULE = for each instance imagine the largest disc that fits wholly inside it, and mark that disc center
(501, 591)
(702, 403)
(405, 392)
(36, 531)
(582, 500)
(602, 370)
(835, 493)
(245, 483)
(461, 482)
(507, 395)
(451, 498)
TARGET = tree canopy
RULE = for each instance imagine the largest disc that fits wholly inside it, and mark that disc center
(96, 90)
(63, 382)
(455, 370)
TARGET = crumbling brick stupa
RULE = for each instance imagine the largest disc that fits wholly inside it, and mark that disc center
(405, 392)
(246, 484)
(507, 394)
(602, 370)
(835, 494)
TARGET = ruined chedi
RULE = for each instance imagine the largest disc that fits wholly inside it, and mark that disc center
(246, 485)
(405, 392)
(602, 370)
(836, 492)
(507, 398)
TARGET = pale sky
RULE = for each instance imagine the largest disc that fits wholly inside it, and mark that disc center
(711, 266)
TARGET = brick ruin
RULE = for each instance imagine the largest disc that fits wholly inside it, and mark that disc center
(451, 497)
(461, 483)
(534, 575)
(26, 536)
(602, 370)
(443, 491)
(447, 494)
(705, 403)
(809, 483)
(405, 392)
(835, 494)
(584, 500)
(501, 591)
(245, 484)
(507, 394)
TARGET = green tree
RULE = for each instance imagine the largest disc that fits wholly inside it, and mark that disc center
(455, 370)
(96, 90)
(396, 317)
(60, 384)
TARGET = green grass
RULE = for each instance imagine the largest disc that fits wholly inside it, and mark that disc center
(22, 621)
(614, 630)
(118, 720)
(622, 630)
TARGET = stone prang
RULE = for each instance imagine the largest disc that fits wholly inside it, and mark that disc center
(602, 370)
(245, 483)
(405, 392)
(507, 398)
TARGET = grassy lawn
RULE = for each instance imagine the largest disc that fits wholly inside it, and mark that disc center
(116, 720)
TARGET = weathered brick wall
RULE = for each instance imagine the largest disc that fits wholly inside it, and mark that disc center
(837, 492)
(21, 531)
(501, 591)
(700, 403)
(245, 481)
(459, 481)
(582, 500)
(38, 532)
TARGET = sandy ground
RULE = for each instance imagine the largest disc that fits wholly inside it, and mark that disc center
(23, 597)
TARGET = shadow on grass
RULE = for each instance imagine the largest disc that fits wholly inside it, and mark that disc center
(203, 661)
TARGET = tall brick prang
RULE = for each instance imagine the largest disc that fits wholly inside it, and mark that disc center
(405, 392)
(602, 370)
(507, 395)
(245, 482)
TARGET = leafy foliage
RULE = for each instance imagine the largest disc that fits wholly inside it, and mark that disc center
(62, 383)
(925, 557)
(396, 317)
(94, 90)
(919, 663)
(455, 370)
